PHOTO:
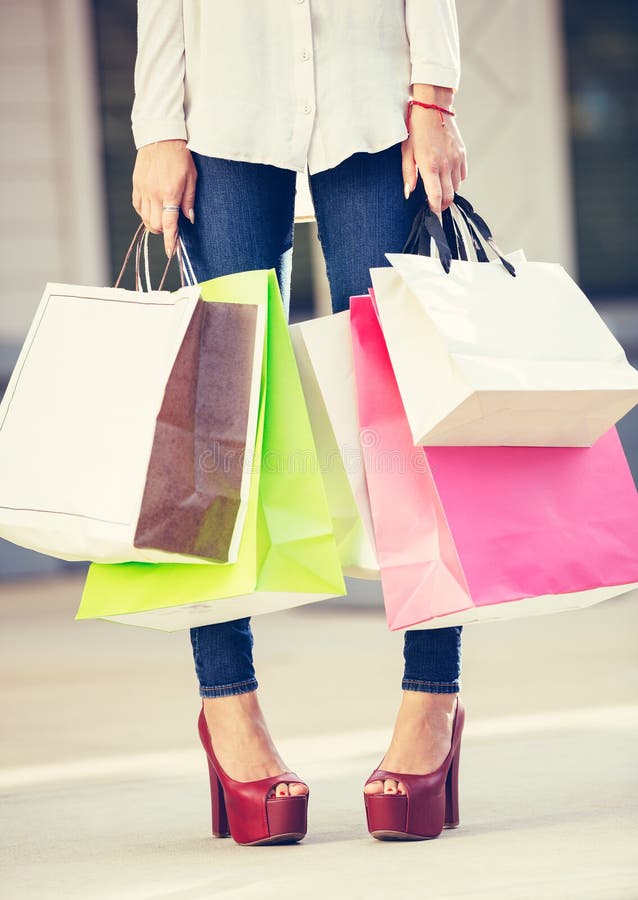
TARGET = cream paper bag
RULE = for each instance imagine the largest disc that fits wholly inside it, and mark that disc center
(483, 358)
(323, 349)
(99, 459)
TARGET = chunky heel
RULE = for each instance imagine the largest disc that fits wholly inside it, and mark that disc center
(217, 804)
(430, 803)
(452, 793)
(245, 810)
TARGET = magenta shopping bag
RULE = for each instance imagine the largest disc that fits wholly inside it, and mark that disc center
(468, 534)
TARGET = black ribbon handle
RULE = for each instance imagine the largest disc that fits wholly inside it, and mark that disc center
(427, 226)
(483, 229)
(447, 236)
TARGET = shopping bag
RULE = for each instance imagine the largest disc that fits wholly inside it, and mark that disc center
(470, 534)
(287, 554)
(323, 349)
(117, 403)
(196, 492)
(484, 358)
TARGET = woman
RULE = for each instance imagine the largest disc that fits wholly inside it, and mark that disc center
(232, 100)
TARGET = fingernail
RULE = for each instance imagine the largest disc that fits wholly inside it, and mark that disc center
(407, 190)
(191, 216)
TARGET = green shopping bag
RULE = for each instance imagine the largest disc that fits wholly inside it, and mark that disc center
(287, 554)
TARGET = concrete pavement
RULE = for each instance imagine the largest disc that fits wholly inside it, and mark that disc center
(104, 790)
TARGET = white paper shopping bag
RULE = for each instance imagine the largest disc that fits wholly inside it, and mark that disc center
(323, 349)
(482, 358)
(107, 451)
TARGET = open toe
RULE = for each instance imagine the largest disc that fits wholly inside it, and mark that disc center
(298, 789)
(416, 807)
(282, 790)
(374, 787)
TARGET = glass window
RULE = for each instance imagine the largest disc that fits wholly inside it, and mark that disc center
(602, 70)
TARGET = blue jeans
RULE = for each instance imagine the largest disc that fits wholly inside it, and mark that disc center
(244, 219)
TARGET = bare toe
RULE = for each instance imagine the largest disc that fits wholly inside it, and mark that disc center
(389, 786)
(400, 788)
(298, 789)
(375, 787)
(282, 790)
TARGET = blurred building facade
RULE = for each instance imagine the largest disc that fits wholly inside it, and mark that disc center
(548, 108)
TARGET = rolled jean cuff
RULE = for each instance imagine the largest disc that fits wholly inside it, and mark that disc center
(229, 690)
(431, 687)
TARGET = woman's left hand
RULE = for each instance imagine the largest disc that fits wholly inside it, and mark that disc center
(434, 151)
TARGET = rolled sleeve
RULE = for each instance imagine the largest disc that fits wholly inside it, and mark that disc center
(147, 131)
(433, 34)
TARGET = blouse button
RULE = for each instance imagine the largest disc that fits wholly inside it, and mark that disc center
(307, 109)
(305, 55)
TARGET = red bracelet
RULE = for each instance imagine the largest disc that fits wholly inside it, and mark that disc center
(440, 109)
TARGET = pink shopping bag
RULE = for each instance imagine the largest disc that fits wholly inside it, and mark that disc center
(470, 534)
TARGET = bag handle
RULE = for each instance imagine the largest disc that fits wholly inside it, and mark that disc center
(470, 215)
(453, 235)
(472, 236)
(447, 237)
(139, 243)
(427, 226)
(189, 272)
(142, 250)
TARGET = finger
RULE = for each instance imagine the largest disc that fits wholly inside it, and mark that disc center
(188, 197)
(136, 200)
(456, 178)
(170, 219)
(447, 188)
(408, 167)
(155, 219)
(432, 184)
(464, 170)
(145, 212)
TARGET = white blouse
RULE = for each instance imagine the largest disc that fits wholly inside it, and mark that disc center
(287, 82)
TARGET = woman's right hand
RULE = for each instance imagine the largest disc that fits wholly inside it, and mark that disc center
(164, 175)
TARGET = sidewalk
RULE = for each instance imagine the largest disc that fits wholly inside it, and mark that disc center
(105, 791)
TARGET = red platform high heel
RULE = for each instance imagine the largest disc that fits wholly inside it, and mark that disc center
(430, 802)
(243, 810)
